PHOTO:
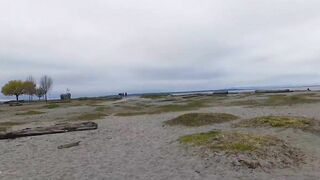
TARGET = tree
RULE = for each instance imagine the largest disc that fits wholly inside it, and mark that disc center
(46, 85)
(39, 92)
(30, 79)
(13, 88)
(29, 88)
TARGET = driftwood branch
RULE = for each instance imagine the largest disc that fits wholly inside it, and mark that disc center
(69, 145)
(58, 128)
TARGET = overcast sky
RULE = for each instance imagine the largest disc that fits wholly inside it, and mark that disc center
(99, 47)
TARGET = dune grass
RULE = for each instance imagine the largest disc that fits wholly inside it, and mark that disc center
(158, 109)
(227, 141)
(280, 100)
(201, 119)
(154, 96)
(277, 100)
(89, 116)
(30, 113)
(101, 108)
(277, 121)
(4, 126)
(52, 106)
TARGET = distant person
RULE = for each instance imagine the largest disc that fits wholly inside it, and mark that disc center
(308, 89)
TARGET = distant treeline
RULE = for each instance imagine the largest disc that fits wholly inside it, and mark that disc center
(28, 87)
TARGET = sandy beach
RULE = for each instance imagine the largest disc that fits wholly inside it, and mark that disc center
(137, 144)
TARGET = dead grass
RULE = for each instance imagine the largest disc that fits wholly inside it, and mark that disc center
(52, 106)
(201, 119)
(243, 149)
(227, 141)
(101, 108)
(162, 104)
(30, 113)
(154, 96)
(280, 100)
(158, 109)
(89, 116)
(4, 126)
(277, 100)
(277, 121)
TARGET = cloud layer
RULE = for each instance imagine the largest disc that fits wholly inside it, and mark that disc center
(103, 47)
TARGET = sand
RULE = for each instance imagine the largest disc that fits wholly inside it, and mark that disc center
(142, 147)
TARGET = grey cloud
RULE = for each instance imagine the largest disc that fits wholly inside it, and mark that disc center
(106, 46)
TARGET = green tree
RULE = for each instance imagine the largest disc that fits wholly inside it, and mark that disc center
(13, 88)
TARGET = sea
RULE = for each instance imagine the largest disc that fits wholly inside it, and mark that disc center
(230, 90)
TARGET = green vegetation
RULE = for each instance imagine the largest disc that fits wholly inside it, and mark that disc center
(154, 96)
(277, 121)
(13, 88)
(280, 100)
(200, 119)
(52, 106)
(101, 108)
(199, 139)
(28, 87)
(157, 109)
(245, 149)
(166, 104)
(30, 113)
(227, 141)
(277, 100)
(89, 116)
(4, 126)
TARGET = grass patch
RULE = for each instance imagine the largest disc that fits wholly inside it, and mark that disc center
(30, 113)
(101, 108)
(200, 119)
(89, 116)
(4, 126)
(227, 141)
(154, 96)
(244, 103)
(245, 150)
(280, 100)
(277, 100)
(52, 106)
(277, 121)
(158, 109)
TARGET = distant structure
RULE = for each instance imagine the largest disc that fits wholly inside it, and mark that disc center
(274, 91)
(66, 96)
(123, 94)
(221, 92)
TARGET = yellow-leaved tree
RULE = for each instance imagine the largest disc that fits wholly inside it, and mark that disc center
(13, 88)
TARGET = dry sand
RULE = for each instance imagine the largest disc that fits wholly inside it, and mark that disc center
(141, 147)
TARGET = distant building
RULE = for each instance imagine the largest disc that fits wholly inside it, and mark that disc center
(66, 96)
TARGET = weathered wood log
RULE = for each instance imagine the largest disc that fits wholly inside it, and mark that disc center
(69, 145)
(58, 128)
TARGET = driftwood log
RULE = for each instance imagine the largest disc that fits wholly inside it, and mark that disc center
(69, 145)
(58, 128)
